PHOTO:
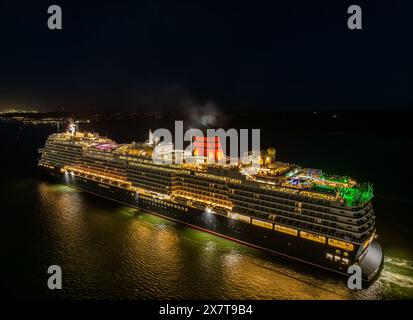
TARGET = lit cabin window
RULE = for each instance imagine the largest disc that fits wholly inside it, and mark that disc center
(287, 230)
(262, 223)
(340, 244)
(241, 217)
(313, 237)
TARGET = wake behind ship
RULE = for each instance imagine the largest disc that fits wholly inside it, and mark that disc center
(304, 214)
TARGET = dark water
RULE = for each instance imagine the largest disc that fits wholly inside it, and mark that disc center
(107, 250)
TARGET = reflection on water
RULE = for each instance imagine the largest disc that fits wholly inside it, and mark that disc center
(107, 250)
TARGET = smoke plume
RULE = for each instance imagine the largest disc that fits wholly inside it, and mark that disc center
(204, 116)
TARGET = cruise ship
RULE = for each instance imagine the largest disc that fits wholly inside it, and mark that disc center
(303, 214)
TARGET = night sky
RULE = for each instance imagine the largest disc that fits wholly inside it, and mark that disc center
(162, 55)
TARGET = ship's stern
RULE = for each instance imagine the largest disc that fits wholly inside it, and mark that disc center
(371, 262)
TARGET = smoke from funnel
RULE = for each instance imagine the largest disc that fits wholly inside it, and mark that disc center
(204, 116)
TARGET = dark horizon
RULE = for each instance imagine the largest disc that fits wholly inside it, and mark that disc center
(165, 56)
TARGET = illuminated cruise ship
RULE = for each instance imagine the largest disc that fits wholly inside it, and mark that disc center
(303, 214)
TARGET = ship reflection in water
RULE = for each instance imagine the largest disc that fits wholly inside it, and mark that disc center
(107, 250)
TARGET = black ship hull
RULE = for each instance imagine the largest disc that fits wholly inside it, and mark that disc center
(290, 246)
